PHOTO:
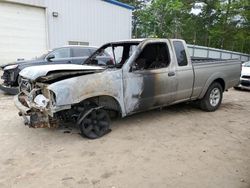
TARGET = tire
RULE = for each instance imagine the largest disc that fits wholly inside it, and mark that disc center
(213, 97)
(94, 124)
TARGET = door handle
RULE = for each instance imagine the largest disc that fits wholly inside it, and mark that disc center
(69, 61)
(171, 74)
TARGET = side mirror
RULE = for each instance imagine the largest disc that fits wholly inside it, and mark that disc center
(50, 57)
(110, 62)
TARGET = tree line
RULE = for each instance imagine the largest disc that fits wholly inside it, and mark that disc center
(214, 23)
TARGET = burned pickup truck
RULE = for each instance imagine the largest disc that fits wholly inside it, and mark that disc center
(147, 74)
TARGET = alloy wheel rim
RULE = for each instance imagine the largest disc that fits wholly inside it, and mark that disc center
(215, 97)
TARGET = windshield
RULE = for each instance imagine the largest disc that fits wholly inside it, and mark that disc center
(112, 54)
(41, 57)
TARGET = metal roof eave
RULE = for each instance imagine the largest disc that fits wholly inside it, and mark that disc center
(118, 3)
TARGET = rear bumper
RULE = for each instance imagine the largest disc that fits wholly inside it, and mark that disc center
(33, 117)
(9, 90)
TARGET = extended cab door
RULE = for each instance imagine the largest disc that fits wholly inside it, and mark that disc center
(149, 81)
(184, 71)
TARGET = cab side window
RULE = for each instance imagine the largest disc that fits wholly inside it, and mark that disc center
(61, 53)
(180, 53)
(153, 56)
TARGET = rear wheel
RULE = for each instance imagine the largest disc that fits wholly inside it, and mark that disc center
(213, 97)
(95, 123)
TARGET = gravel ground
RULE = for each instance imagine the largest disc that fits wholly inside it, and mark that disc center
(180, 146)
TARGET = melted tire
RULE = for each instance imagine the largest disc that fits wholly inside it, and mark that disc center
(206, 104)
(95, 125)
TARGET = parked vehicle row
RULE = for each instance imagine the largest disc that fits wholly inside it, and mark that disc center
(146, 74)
(63, 55)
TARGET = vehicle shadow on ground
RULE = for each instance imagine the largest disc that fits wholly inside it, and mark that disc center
(242, 89)
(147, 118)
(4, 95)
(139, 118)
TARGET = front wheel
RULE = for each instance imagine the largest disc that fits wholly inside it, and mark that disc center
(213, 97)
(95, 123)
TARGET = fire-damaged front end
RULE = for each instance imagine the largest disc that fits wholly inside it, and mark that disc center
(37, 102)
(83, 95)
(36, 105)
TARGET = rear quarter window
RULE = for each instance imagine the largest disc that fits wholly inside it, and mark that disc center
(180, 53)
(80, 52)
(92, 50)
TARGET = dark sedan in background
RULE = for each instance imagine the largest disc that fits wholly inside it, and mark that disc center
(63, 55)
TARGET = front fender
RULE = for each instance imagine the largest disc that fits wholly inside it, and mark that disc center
(77, 89)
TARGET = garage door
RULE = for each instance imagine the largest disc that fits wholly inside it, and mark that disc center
(22, 32)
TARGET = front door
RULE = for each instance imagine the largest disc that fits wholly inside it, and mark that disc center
(150, 82)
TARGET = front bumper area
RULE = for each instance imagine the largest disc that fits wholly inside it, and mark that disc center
(9, 90)
(8, 82)
(244, 83)
(33, 117)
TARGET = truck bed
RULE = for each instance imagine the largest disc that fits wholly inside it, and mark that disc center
(210, 60)
(206, 69)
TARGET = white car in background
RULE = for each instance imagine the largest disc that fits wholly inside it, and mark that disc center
(245, 76)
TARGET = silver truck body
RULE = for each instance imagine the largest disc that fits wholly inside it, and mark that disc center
(120, 88)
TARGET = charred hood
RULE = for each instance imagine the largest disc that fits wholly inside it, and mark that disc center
(52, 73)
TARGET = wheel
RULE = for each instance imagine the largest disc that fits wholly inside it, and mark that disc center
(95, 123)
(212, 99)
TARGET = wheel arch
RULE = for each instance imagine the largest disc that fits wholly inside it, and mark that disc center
(216, 78)
(221, 82)
(107, 101)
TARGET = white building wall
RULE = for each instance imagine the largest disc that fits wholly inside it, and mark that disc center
(22, 31)
(93, 21)
(39, 3)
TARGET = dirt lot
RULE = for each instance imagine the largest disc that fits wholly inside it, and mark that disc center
(180, 146)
